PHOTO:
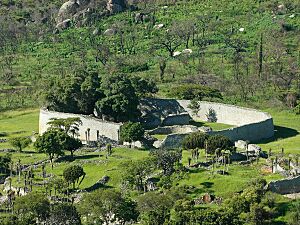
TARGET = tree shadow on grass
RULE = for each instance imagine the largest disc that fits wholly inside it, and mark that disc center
(196, 123)
(280, 133)
(68, 158)
(207, 184)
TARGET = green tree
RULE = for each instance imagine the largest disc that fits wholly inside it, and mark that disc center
(135, 173)
(154, 208)
(120, 101)
(72, 175)
(294, 214)
(166, 160)
(68, 125)
(107, 206)
(50, 144)
(143, 87)
(195, 140)
(33, 206)
(63, 213)
(20, 142)
(131, 132)
(215, 142)
(70, 143)
(76, 93)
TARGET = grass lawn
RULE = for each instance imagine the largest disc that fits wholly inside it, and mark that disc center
(214, 126)
(18, 123)
(287, 132)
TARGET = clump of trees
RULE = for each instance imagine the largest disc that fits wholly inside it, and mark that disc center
(215, 142)
(115, 97)
(195, 140)
(194, 91)
(108, 206)
(210, 142)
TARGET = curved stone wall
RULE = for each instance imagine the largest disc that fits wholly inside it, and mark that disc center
(97, 127)
(250, 124)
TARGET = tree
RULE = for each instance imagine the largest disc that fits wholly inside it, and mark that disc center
(5, 162)
(20, 142)
(143, 87)
(162, 68)
(135, 173)
(63, 213)
(34, 206)
(154, 208)
(215, 142)
(50, 144)
(194, 91)
(131, 132)
(166, 160)
(195, 140)
(75, 93)
(168, 40)
(70, 143)
(120, 101)
(72, 175)
(68, 125)
(107, 206)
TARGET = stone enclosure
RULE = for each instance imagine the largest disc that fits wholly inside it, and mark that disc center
(171, 117)
(96, 126)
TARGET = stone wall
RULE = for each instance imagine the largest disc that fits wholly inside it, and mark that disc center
(97, 127)
(251, 124)
(285, 186)
(174, 130)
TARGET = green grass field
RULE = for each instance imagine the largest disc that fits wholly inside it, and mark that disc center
(20, 123)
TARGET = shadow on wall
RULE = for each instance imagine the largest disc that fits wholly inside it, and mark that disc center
(280, 133)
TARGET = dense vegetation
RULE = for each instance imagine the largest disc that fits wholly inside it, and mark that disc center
(247, 50)
(244, 52)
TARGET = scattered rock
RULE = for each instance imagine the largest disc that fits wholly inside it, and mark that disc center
(205, 129)
(96, 32)
(158, 26)
(255, 148)
(63, 25)
(187, 51)
(241, 144)
(110, 32)
(115, 6)
(176, 54)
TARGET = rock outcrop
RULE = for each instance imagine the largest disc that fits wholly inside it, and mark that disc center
(116, 6)
(80, 12)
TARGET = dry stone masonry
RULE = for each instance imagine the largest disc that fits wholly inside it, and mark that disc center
(92, 129)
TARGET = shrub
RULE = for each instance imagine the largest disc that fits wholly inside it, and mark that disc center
(194, 91)
(20, 142)
(131, 132)
(217, 141)
(194, 140)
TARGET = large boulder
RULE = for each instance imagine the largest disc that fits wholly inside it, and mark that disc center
(67, 10)
(64, 24)
(115, 6)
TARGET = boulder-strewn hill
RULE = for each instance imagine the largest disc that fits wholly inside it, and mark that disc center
(249, 50)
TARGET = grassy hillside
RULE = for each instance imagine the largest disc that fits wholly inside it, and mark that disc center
(221, 31)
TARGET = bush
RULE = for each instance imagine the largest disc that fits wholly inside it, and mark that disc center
(20, 142)
(194, 91)
(131, 132)
(195, 140)
(217, 141)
